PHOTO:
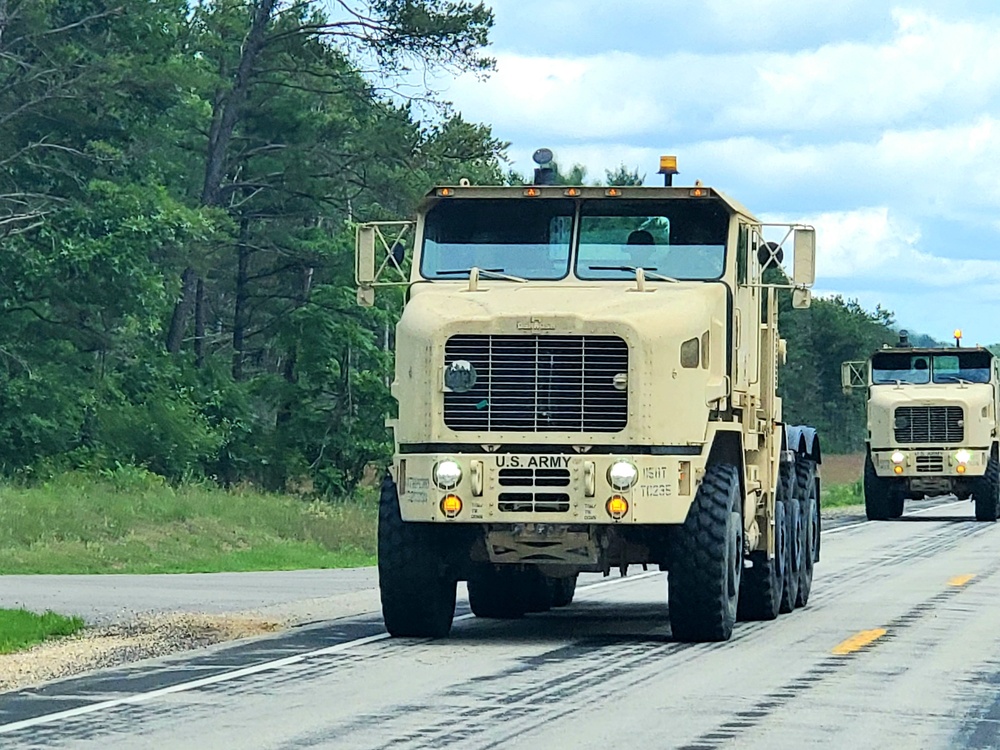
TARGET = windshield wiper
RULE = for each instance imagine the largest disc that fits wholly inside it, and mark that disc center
(492, 273)
(955, 379)
(651, 272)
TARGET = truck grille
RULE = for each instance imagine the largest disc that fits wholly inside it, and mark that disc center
(940, 425)
(531, 499)
(533, 502)
(539, 384)
(534, 477)
(930, 464)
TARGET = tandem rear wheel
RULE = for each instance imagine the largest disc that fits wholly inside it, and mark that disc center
(506, 592)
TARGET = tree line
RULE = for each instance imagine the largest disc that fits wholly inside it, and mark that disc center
(179, 181)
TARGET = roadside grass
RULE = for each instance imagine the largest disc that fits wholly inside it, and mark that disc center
(20, 628)
(840, 495)
(133, 522)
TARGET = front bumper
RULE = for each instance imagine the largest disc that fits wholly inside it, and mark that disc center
(556, 488)
(921, 463)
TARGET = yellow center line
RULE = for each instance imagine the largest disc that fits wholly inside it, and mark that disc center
(961, 580)
(858, 641)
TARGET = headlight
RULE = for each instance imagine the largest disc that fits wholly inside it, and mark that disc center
(447, 474)
(963, 456)
(622, 475)
(898, 457)
(461, 376)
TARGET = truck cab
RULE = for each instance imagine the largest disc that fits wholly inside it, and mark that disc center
(932, 426)
(586, 379)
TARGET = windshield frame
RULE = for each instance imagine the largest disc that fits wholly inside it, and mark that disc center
(930, 374)
(572, 271)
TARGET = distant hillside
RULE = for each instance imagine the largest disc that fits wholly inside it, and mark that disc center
(921, 339)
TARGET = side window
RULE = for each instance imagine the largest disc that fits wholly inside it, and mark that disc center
(742, 247)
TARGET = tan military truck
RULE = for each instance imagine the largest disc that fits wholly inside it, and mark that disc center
(932, 426)
(586, 380)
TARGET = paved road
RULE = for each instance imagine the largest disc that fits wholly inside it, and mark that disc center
(899, 647)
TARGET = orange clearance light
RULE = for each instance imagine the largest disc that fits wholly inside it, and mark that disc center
(898, 469)
(445, 192)
(700, 192)
(960, 468)
(451, 505)
(668, 165)
(612, 192)
(572, 192)
(532, 192)
(617, 507)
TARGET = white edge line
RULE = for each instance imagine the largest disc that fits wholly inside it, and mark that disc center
(181, 687)
(191, 685)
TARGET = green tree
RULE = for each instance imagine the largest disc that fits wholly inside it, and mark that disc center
(622, 176)
(833, 330)
(171, 163)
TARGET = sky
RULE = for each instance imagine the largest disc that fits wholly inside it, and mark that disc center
(877, 122)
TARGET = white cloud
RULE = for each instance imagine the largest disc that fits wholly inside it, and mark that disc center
(867, 255)
(929, 67)
(874, 249)
(652, 26)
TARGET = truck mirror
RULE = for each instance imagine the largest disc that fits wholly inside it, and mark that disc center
(364, 255)
(801, 298)
(853, 375)
(804, 273)
(398, 253)
(770, 254)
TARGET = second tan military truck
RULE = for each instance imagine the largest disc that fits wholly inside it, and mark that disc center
(586, 380)
(932, 426)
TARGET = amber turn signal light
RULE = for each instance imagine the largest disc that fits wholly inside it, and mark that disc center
(617, 507)
(451, 505)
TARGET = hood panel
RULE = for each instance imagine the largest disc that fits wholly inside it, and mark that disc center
(933, 415)
(667, 402)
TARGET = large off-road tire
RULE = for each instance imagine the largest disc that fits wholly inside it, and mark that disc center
(417, 591)
(986, 492)
(808, 497)
(794, 547)
(883, 499)
(500, 592)
(563, 590)
(763, 584)
(707, 560)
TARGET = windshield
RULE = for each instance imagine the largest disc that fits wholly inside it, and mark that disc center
(529, 239)
(679, 239)
(972, 367)
(901, 368)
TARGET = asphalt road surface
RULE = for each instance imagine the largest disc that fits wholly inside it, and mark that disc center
(899, 647)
